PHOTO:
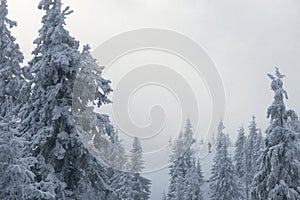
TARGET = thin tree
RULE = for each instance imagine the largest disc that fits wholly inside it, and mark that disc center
(224, 184)
(140, 185)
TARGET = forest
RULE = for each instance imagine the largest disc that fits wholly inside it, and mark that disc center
(47, 105)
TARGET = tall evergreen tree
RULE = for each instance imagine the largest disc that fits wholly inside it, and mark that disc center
(259, 147)
(17, 179)
(10, 56)
(240, 154)
(136, 157)
(140, 185)
(193, 182)
(65, 168)
(224, 184)
(121, 182)
(279, 172)
(251, 153)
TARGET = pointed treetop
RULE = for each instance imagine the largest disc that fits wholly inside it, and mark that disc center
(277, 84)
(278, 74)
(188, 123)
(136, 146)
(241, 129)
(188, 133)
(253, 121)
(221, 126)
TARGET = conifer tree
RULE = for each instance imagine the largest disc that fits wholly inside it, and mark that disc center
(240, 154)
(136, 157)
(140, 185)
(279, 171)
(121, 182)
(65, 169)
(259, 147)
(224, 184)
(193, 182)
(251, 153)
(16, 179)
(11, 79)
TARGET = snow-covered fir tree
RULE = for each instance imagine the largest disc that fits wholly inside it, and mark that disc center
(185, 174)
(90, 91)
(10, 58)
(65, 169)
(119, 158)
(16, 179)
(259, 147)
(251, 155)
(240, 154)
(130, 185)
(293, 123)
(279, 172)
(136, 157)
(224, 184)
(121, 180)
(221, 127)
(193, 182)
(140, 185)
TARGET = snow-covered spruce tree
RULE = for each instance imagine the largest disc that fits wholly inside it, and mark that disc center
(136, 157)
(182, 186)
(224, 184)
(293, 123)
(122, 185)
(279, 173)
(251, 155)
(140, 185)
(10, 56)
(121, 180)
(240, 154)
(90, 91)
(259, 147)
(16, 179)
(193, 182)
(65, 169)
(220, 128)
(119, 158)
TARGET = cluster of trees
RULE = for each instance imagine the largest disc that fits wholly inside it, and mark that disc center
(43, 157)
(41, 153)
(260, 168)
(185, 170)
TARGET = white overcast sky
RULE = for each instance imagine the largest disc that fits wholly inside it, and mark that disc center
(246, 39)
